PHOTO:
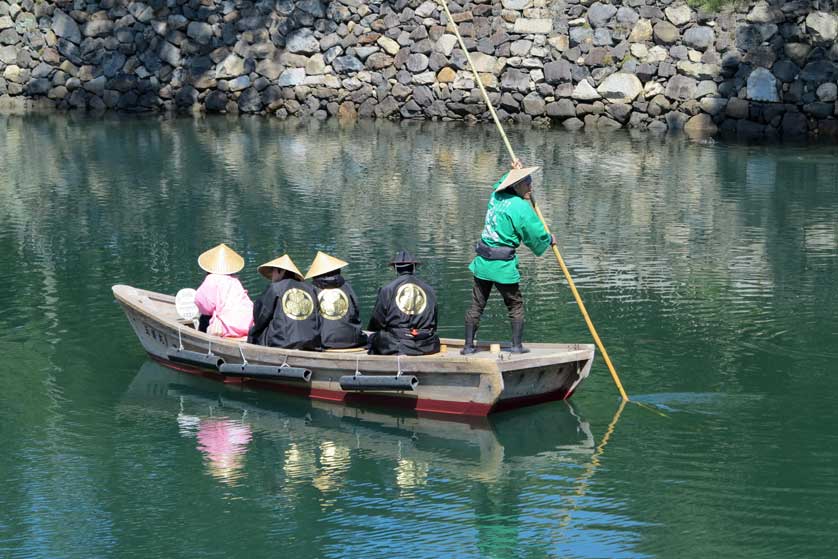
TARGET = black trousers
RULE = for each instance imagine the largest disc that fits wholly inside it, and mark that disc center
(511, 293)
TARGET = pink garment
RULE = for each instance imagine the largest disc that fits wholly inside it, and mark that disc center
(226, 301)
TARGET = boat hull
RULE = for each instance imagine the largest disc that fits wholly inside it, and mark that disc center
(449, 383)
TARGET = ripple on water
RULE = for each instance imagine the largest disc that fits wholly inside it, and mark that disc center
(709, 271)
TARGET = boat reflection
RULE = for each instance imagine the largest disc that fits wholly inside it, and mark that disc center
(321, 440)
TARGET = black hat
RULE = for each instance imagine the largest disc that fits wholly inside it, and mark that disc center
(403, 258)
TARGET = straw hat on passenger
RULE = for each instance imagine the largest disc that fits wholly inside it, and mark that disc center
(284, 262)
(221, 260)
(323, 264)
(514, 176)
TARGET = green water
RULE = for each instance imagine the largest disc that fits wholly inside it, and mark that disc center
(709, 269)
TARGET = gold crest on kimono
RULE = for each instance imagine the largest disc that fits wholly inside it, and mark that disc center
(334, 304)
(297, 304)
(411, 299)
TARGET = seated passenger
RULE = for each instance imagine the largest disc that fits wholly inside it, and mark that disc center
(225, 308)
(340, 327)
(405, 315)
(286, 314)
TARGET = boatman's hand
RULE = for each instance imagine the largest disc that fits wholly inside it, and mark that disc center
(517, 164)
(552, 240)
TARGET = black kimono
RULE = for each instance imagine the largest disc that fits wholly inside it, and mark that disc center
(405, 318)
(286, 315)
(340, 319)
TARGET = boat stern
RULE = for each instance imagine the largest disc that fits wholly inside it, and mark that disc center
(529, 381)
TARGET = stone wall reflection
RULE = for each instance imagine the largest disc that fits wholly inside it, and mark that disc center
(249, 181)
(639, 218)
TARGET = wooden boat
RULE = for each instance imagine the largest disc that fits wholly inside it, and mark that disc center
(446, 382)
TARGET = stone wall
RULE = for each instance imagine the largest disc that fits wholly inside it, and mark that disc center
(754, 68)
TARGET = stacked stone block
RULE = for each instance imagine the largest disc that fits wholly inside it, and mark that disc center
(755, 68)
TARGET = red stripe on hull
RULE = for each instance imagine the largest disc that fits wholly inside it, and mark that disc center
(425, 405)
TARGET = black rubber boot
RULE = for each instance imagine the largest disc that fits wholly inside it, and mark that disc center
(469, 348)
(518, 337)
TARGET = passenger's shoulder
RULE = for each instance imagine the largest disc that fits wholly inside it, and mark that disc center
(270, 289)
(289, 283)
(422, 283)
(234, 280)
(301, 285)
(215, 279)
(395, 282)
(427, 286)
(277, 286)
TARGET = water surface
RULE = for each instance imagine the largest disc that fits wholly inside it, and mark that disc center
(709, 268)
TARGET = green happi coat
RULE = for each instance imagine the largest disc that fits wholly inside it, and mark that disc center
(510, 221)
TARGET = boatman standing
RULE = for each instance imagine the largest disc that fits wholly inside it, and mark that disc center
(405, 316)
(340, 327)
(510, 221)
(286, 314)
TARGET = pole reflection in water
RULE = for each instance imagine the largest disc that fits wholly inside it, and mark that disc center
(585, 479)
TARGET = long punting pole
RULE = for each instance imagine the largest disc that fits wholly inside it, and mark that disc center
(556, 252)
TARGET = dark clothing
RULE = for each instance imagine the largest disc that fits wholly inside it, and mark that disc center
(511, 293)
(203, 322)
(340, 324)
(286, 315)
(405, 318)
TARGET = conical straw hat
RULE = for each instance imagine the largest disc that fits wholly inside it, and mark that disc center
(284, 262)
(514, 176)
(323, 264)
(221, 260)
